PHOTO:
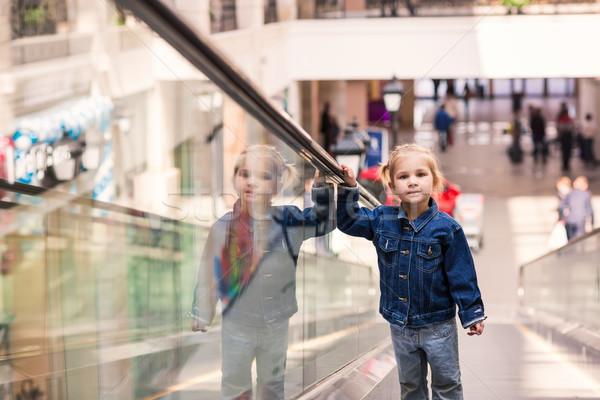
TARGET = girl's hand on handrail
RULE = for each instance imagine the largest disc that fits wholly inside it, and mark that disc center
(349, 178)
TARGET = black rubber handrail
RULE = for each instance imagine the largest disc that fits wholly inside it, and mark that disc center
(198, 50)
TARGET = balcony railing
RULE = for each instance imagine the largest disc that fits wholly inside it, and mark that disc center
(402, 8)
(37, 17)
(329, 8)
(222, 16)
(271, 11)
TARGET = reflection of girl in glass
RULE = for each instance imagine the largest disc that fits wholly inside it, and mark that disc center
(249, 263)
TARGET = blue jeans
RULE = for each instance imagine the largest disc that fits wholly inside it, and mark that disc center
(436, 345)
(574, 230)
(241, 344)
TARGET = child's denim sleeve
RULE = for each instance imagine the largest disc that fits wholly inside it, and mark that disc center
(351, 218)
(324, 208)
(462, 280)
(317, 220)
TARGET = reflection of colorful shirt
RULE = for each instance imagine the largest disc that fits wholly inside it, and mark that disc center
(254, 274)
(237, 261)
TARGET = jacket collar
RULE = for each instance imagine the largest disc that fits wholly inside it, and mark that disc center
(422, 220)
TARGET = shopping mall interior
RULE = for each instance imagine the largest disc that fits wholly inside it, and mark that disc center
(124, 125)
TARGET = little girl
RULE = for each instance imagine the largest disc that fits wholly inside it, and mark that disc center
(426, 270)
(249, 264)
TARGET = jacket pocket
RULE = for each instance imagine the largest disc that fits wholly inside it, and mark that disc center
(429, 256)
(387, 249)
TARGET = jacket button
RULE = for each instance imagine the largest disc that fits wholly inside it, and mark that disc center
(404, 277)
(267, 298)
(404, 299)
(405, 252)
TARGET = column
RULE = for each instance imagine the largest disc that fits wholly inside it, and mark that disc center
(407, 107)
(7, 86)
(250, 13)
(235, 140)
(88, 15)
(588, 101)
(334, 92)
(355, 6)
(306, 9)
(288, 9)
(309, 107)
(196, 12)
(357, 102)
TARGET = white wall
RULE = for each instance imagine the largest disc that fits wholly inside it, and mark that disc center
(589, 102)
(413, 48)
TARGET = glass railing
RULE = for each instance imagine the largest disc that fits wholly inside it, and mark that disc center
(111, 203)
(564, 285)
(412, 8)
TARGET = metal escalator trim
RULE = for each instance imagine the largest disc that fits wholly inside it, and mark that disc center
(198, 50)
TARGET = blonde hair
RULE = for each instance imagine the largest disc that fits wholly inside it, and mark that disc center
(386, 171)
(285, 172)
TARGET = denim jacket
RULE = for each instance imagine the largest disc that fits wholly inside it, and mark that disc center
(426, 268)
(270, 296)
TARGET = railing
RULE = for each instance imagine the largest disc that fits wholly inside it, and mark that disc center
(222, 16)
(271, 11)
(37, 17)
(329, 8)
(565, 284)
(397, 8)
(108, 288)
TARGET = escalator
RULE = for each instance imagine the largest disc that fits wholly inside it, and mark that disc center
(95, 291)
(559, 295)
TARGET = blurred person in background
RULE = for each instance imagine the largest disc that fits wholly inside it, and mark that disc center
(329, 127)
(537, 123)
(442, 122)
(564, 186)
(451, 107)
(565, 129)
(467, 94)
(576, 209)
(588, 133)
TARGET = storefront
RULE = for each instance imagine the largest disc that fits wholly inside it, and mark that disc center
(58, 144)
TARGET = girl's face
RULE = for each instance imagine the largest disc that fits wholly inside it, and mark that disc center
(256, 180)
(412, 182)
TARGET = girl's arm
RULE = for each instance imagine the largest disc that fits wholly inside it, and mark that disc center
(205, 294)
(351, 218)
(317, 220)
(462, 280)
